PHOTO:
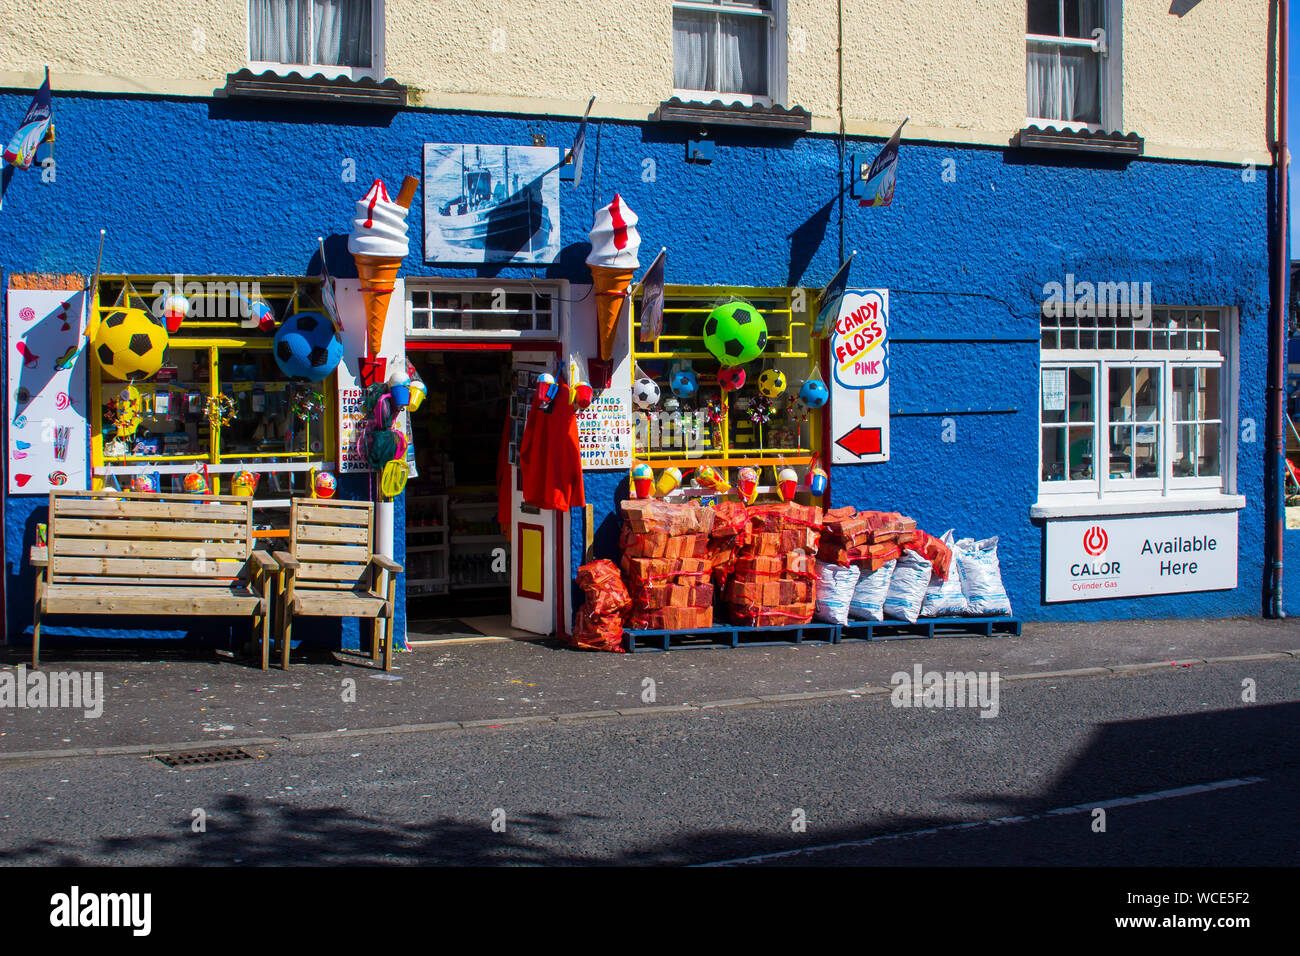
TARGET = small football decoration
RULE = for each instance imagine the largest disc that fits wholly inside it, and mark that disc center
(645, 393)
(772, 383)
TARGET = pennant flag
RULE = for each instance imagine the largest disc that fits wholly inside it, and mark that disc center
(37, 127)
(327, 292)
(828, 303)
(580, 146)
(879, 178)
(652, 299)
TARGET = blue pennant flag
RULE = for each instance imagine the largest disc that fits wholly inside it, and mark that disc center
(652, 299)
(36, 128)
(879, 178)
(580, 146)
(828, 303)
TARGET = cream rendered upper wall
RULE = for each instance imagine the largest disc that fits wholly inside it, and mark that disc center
(1193, 85)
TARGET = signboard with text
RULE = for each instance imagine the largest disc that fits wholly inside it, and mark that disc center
(859, 378)
(1092, 558)
(605, 431)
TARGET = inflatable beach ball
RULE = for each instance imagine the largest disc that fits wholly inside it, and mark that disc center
(772, 383)
(813, 393)
(305, 347)
(129, 344)
(735, 333)
(645, 393)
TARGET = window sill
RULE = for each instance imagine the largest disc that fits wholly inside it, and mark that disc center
(1113, 142)
(1071, 506)
(274, 85)
(796, 119)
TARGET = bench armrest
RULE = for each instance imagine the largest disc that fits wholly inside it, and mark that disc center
(38, 557)
(285, 560)
(264, 561)
(388, 564)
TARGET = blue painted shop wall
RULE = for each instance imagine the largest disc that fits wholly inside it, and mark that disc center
(245, 188)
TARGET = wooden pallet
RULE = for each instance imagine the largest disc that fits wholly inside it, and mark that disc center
(888, 630)
(724, 635)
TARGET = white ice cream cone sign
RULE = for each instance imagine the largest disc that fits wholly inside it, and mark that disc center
(378, 243)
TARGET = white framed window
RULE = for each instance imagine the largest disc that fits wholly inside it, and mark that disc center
(331, 37)
(729, 50)
(496, 310)
(1135, 406)
(1072, 64)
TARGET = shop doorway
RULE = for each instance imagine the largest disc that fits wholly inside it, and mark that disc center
(478, 561)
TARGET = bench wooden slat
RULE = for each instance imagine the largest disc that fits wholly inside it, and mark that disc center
(309, 571)
(333, 534)
(124, 528)
(328, 605)
(112, 508)
(178, 568)
(332, 553)
(126, 547)
(320, 584)
(334, 514)
(89, 599)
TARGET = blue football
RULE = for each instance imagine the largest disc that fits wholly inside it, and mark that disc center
(305, 347)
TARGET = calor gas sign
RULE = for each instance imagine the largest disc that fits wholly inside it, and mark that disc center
(1092, 558)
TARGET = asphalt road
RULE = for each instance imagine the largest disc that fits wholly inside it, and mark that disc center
(875, 783)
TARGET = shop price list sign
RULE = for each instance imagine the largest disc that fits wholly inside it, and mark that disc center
(351, 412)
(605, 431)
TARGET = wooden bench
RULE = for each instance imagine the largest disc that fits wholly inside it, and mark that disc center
(331, 570)
(123, 553)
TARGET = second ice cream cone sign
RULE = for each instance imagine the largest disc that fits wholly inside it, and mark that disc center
(615, 242)
(378, 244)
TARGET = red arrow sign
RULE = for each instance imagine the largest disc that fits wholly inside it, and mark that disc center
(861, 441)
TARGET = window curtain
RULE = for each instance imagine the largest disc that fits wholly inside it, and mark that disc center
(742, 55)
(277, 30)
(693, 50)
(1064, 83)
(321, 32)
(342, 32)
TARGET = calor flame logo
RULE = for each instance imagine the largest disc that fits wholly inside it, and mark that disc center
(1095, 540)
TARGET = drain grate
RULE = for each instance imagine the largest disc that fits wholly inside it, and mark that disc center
(198, 758)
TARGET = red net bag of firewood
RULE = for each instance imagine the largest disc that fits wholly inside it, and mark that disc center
(598, 632)
(603, 586)
(933, 550)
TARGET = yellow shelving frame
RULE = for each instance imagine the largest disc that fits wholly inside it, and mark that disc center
(296, 290)
(790, 320)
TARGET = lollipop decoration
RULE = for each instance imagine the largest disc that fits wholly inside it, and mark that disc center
(144, 484)
(244, 483)
(195, 483)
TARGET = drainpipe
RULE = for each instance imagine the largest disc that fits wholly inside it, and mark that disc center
(1277, 329)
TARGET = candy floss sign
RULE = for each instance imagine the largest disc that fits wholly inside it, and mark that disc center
(859, 359)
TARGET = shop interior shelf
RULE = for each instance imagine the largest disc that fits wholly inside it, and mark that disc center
(477, 538)
(888, 630)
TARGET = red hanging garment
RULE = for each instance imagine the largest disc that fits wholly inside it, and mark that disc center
(550, 459)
